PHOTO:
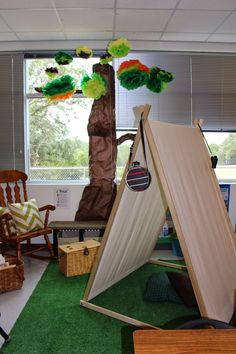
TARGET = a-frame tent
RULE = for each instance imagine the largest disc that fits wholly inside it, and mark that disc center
(183, 179)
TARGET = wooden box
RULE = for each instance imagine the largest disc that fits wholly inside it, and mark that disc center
(77, 258)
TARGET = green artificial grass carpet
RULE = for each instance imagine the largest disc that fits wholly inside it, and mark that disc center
(54, 322)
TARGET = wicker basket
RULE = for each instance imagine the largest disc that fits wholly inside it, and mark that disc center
(77, 258)
(12, 277)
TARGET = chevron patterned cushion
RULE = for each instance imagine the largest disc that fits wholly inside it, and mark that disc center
(26, 216)
(5, 210)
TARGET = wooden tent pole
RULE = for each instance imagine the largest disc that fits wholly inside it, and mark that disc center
(116, 315)
(168, 264)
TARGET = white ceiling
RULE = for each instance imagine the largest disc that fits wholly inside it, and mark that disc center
(148, 24)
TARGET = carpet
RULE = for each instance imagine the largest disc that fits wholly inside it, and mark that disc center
(53, 322)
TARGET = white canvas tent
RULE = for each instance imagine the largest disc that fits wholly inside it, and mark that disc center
(183, 179)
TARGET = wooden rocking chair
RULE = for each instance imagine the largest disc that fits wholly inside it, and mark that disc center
(13, 190)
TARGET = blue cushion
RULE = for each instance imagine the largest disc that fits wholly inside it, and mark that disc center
(159, 289)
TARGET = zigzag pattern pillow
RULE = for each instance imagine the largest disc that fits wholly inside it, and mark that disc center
(5, 210)
(26, 216)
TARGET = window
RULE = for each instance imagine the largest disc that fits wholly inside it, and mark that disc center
(57, 130)
(223, 145)
(203, 87)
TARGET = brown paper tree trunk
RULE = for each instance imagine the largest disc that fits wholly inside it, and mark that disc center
(99, 195)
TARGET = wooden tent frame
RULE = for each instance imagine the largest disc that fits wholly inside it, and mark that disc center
(144, 111)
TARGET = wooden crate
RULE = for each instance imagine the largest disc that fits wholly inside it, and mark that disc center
(77, 258)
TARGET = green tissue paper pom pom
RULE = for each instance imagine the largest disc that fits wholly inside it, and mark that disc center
(165, 76)
(132, 79)
(94, 87)
(154, 82)
(85, 79)
(105, 58)
(58, 86)
(119, 48)
(158, 80)
(63, 58)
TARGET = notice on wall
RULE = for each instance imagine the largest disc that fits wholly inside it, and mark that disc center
(62, 198)
(225, 190)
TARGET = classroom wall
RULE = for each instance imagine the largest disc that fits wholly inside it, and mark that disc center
(67, 208)
(53, 194)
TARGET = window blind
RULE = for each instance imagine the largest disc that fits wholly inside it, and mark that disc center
(12, 112)
(214, 91)
(172, 105)
(203, 87)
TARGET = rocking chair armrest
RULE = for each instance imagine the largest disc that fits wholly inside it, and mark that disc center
(47, 207)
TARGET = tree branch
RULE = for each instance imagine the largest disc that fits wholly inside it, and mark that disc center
(128, 136)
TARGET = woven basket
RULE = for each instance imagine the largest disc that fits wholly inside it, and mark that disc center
(77, 258)
(12, 278)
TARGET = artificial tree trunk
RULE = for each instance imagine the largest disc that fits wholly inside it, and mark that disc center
(99, 195)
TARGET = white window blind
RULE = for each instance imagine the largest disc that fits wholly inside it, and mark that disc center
(214, 91)
(204, 86)
(12, 113)
(172, 105)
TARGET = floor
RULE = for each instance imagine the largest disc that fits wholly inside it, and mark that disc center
(12, 303)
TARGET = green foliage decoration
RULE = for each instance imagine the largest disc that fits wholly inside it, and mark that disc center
(165, 76)
(132, 74)
(63, 58)
(158, 79)
(132, 79)
(105, 58)
(59, 88)
(52, 72)
(119, 48)
(94, 87)
(84, 52)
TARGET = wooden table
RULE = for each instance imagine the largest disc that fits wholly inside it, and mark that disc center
(81, 226)
(197, 341)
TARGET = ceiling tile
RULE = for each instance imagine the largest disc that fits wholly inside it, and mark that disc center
(229, 26)
(189, 37)
(139, 35)
(142, 20)
(87, 20)
(8, 37)
(196, 21)
(3, 26)
(44, 36)
(223, 38)
(207, 4)
(31, 20)
(89, 36)
(109, 4)
(148, 4)
(25, 4)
